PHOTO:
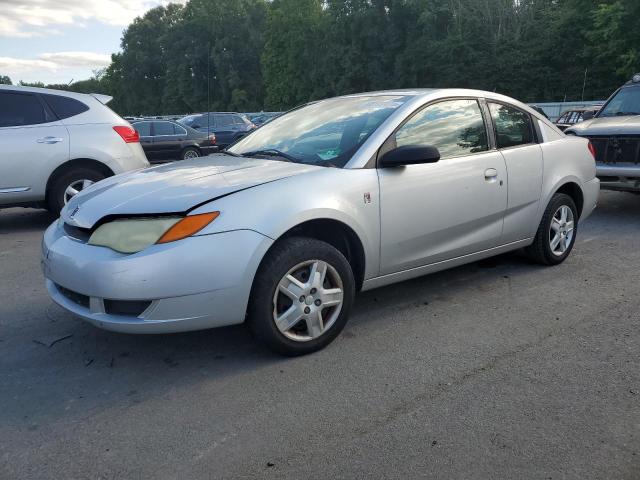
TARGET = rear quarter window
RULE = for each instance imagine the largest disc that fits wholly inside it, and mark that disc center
(65, 107)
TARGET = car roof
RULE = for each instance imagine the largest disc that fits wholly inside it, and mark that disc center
(104, 99)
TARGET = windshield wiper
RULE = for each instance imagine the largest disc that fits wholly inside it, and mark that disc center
(227, 152)
(271, 152)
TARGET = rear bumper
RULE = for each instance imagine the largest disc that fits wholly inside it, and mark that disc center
(209, 150)
(591, 192)
(619, 176)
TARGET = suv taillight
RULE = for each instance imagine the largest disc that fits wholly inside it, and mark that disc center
(592, 150)
(128, 134)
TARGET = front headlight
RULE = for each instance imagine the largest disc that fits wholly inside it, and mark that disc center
(132, 235)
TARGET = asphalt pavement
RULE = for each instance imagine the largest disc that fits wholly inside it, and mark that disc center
(501, 369)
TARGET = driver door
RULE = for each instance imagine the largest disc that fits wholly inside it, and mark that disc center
(454, 207)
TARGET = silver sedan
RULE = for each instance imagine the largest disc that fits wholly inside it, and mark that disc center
(346, 194)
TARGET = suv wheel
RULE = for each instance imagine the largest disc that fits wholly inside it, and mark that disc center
(68, 184)
(301, 296)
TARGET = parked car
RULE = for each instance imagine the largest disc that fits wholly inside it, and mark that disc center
(259, 119)
(54, 144)
(227, 126)
(539, 110)
(569, 118)
(615, 134)
(286, 225)
(168, 140)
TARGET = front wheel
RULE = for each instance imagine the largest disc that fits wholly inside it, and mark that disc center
(68, 184)
(301, 296)
(556, 234)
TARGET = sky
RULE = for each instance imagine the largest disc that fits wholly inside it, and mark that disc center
(59, 41)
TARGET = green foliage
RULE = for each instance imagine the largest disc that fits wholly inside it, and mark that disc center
(275, 54)
(5, 80)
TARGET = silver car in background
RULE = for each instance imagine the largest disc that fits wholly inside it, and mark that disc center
(55, 143)
(337, 196)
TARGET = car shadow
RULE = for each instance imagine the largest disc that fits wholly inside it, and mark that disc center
(16, 220)
(86, 361)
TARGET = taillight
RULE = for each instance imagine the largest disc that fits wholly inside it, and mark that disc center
(128, 134)
(592, 150)
(212, 139)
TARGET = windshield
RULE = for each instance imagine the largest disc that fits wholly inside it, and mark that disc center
(625, 102)
(325, 133)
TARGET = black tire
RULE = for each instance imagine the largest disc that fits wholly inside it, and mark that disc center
(541, 250)
(285, 255)
(58, 187)
(194, 152)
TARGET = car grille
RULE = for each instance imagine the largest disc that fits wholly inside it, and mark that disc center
(75, 297)
(126, 307)
(617, 148)
(78, 233)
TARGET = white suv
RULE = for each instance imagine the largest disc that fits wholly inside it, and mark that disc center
(54, 143)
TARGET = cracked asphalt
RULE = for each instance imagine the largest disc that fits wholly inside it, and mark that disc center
(498, 369)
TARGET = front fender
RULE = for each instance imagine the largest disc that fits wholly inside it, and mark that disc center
(272, 209)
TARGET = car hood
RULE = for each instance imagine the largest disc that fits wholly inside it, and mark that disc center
(175, 187)
(608, 126)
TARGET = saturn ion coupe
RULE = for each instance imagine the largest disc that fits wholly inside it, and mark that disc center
(284, 227)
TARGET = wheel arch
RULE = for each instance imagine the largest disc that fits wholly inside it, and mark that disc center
(192, 146)
(337, 234)
(76, 163)
(574, 190)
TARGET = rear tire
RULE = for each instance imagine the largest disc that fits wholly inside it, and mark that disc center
(190, 152)
(557, 232)
(65, 184)
(295, 309)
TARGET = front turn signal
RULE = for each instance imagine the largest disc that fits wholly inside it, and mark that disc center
(188, 226)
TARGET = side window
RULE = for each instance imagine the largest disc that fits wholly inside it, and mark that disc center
(163, 128)
(455, 127)
(179, 130)
(513, 127)
(224, 120)
(21, 109)
(143, 128)
(64, 107)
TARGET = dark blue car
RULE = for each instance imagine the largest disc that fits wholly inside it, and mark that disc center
(227, 126)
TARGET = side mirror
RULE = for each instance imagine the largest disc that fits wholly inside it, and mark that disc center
(410, 155)
(195, 126)
(588, 115)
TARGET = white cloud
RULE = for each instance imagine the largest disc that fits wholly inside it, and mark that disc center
(77, 59)
(37, 18)
(52, 62)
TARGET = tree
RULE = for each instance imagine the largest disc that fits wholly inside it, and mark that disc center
(5, 80)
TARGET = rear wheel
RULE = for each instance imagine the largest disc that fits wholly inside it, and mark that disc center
(556, 234)
(301, 296)
(68, 184)
(190, 152)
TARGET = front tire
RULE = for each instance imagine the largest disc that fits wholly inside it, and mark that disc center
(557, 232)
(301, 296)
(68, 184)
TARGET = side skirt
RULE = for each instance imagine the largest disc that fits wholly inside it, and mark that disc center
(443, 265)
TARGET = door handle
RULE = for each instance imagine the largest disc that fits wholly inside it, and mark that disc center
(490, 174)
(49, 140)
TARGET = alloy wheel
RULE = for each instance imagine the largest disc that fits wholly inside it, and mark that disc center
(561, 230)
(75, 188)
(308, 300)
